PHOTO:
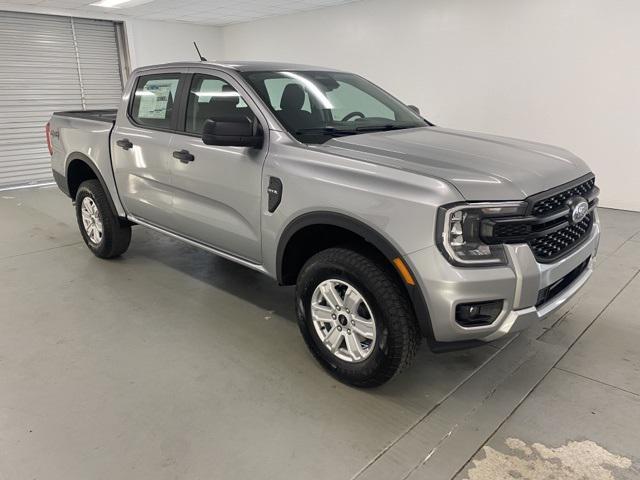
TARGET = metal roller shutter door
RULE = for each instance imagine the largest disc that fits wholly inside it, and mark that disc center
(99, 63)
(47, 64)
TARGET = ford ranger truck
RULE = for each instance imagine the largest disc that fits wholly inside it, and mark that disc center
(393, 229)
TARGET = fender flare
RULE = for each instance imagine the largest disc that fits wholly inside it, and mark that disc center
(370, 235)
(78, 156)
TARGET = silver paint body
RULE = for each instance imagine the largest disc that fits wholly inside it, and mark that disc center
(392, 181)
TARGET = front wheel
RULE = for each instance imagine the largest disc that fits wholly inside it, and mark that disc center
(355, 318)
(103, 231)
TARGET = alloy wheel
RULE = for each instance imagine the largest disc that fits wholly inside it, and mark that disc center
(343, 320)
(91, 220)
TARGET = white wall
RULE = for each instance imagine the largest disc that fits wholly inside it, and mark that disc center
(564, 72)
(153, 42)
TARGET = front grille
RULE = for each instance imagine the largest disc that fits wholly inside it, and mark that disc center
(512, 230)
(553, 245)
(559, 200)
(547, 227)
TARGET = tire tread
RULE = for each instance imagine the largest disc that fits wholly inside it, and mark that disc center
(116, 235)
(393, 300)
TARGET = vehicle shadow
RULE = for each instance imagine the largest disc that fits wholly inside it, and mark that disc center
(424, 384)
(242, 282)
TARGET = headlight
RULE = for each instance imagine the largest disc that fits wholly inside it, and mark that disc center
(459, 236)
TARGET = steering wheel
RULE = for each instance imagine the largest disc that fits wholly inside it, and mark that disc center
(348, 116)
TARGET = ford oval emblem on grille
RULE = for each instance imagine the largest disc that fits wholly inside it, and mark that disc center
(579, 209)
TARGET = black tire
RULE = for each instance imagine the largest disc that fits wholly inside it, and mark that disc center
(397, 334)
(116, 234)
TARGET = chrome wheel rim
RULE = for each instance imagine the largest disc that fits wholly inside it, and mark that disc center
(343, 320)
(91, 220)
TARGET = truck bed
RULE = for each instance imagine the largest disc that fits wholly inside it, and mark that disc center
(106, 115)
(84, 135)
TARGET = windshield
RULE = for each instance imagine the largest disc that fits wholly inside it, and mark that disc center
(317, 106)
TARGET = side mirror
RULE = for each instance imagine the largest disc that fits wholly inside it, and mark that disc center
(414, 109)
(232, 131)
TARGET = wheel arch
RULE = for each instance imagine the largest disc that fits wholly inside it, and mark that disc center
(366, 233)
(80, 168)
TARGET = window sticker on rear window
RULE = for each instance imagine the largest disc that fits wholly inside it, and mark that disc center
(155, 98)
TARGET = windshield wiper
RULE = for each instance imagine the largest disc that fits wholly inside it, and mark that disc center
(381, 128)
(327, 131)
(330, 130)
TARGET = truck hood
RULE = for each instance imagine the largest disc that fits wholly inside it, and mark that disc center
(480, 166)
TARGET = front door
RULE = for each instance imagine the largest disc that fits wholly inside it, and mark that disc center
(217, 190)
(140, 148)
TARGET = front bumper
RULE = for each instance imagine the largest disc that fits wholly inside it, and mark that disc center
(517, 284)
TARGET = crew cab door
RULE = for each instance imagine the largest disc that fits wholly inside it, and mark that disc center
(217, 189)
(140, 147)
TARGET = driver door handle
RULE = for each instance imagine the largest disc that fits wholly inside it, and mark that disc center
(125, 144)
(184, 156)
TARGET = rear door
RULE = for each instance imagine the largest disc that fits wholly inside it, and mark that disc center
(140, 147)
(217, 194)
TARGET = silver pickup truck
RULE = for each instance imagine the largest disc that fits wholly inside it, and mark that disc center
(391, 228)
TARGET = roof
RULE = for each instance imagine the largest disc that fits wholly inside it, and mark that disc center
(253, 66)
(245, 66)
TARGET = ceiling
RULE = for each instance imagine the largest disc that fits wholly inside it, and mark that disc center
(207, 12)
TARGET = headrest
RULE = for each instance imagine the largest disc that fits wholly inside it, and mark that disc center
(231, 101)
(292, 97)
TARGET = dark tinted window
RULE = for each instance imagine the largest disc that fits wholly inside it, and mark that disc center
(154, 99)
(212, 97)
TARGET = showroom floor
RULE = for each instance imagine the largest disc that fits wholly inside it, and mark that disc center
(173, 363)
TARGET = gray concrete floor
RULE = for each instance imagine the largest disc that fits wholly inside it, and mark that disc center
(173, 363)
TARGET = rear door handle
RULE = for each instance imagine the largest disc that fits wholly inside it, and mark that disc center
(125, 144)
(184, 156)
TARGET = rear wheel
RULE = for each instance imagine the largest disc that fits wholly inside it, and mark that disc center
(355, 318)
(106, 235)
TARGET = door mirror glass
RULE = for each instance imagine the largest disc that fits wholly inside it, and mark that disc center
(232, 131)
(415, 109)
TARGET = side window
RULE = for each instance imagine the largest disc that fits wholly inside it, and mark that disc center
(153, 100)
(275, 88)
(211, 97)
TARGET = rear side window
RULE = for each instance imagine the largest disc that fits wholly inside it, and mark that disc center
(153, 102)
